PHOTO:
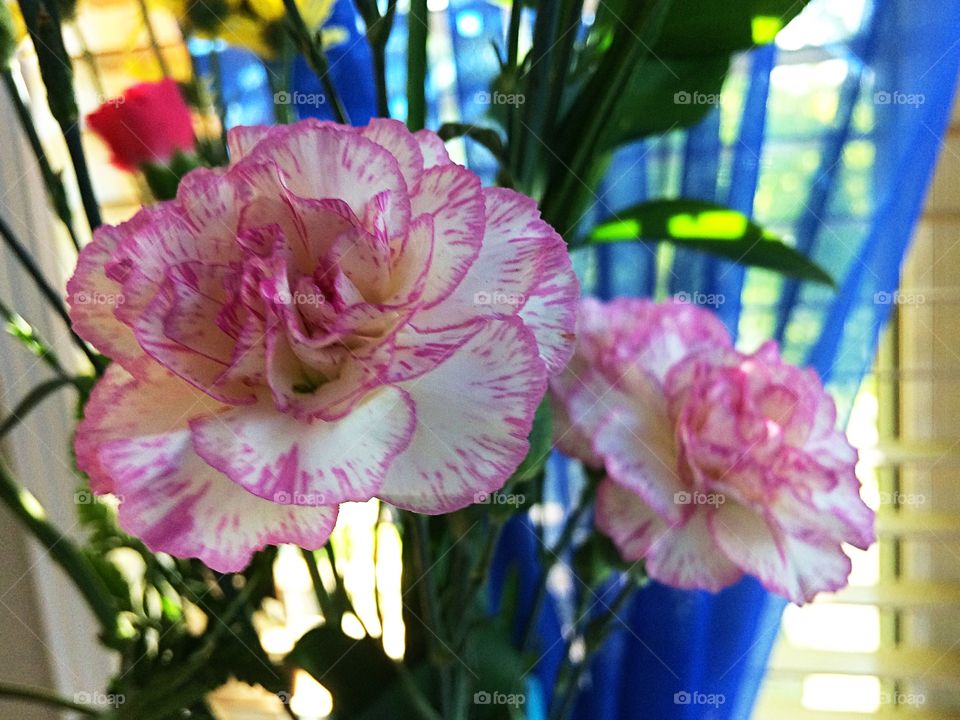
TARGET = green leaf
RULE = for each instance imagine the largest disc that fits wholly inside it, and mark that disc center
(355, 671)
(487, 137)
(541, 443)
(666, 94)
(706, 27)
(679, 80)
(712, 229)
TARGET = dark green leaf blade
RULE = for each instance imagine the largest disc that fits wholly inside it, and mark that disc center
(710, 228)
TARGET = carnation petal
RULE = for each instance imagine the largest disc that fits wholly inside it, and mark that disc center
(93, 297)
(474, 413)
(432, 148)
(453, 197)
(402, 144)
(283, 459)
(134, 441)
(789, 565)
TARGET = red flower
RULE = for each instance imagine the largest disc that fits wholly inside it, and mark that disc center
(148, 123)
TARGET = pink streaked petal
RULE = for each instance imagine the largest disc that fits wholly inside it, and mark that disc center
(632, 525)
(789, 565)
(243, 138)
(401, 143)
(432, 148)
(410, 262)
(195, 511)
(640, 454)
(410, 354)
(569, 439)
(654, 336)
(329, 161)
(516, 248)
(474, 413)
(282, 459)
(588, 395)
(551, 307)
(93, 297)
(453, 196)
(203, 369)
(123, 410)
(688, 558)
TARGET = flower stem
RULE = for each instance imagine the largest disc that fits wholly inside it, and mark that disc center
(50, 295)
(552, 557)
(417, 30)
(20, 329)
(310, 47)
(597, 103)
(44, 697)
(595, 635)
(154, 42)
(323, 599)
(64, 552)
(53, 182)
(378, 32)
(32, 400)
(43, 22)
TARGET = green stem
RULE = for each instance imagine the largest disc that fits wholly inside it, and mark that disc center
(54, 184)
(24, 332)
(513, 35)
(32, 400)
(552, 557)
(154, 42)
(88, 198)
(595, 634)
(50, 295)
(279, 79)
(428, 599)
(597, 103)
(216, 72)
(315, 57)
(417, 31)
(323, 599)
(44, 697)
(64, 552)
(43, 22)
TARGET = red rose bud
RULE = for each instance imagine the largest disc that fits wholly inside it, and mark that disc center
(149, 123)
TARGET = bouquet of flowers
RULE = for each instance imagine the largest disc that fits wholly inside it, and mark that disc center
(313, 317)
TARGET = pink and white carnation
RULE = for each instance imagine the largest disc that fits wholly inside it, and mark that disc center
(717, 463)
(341, 314)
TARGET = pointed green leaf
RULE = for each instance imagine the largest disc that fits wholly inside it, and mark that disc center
(709, 228)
